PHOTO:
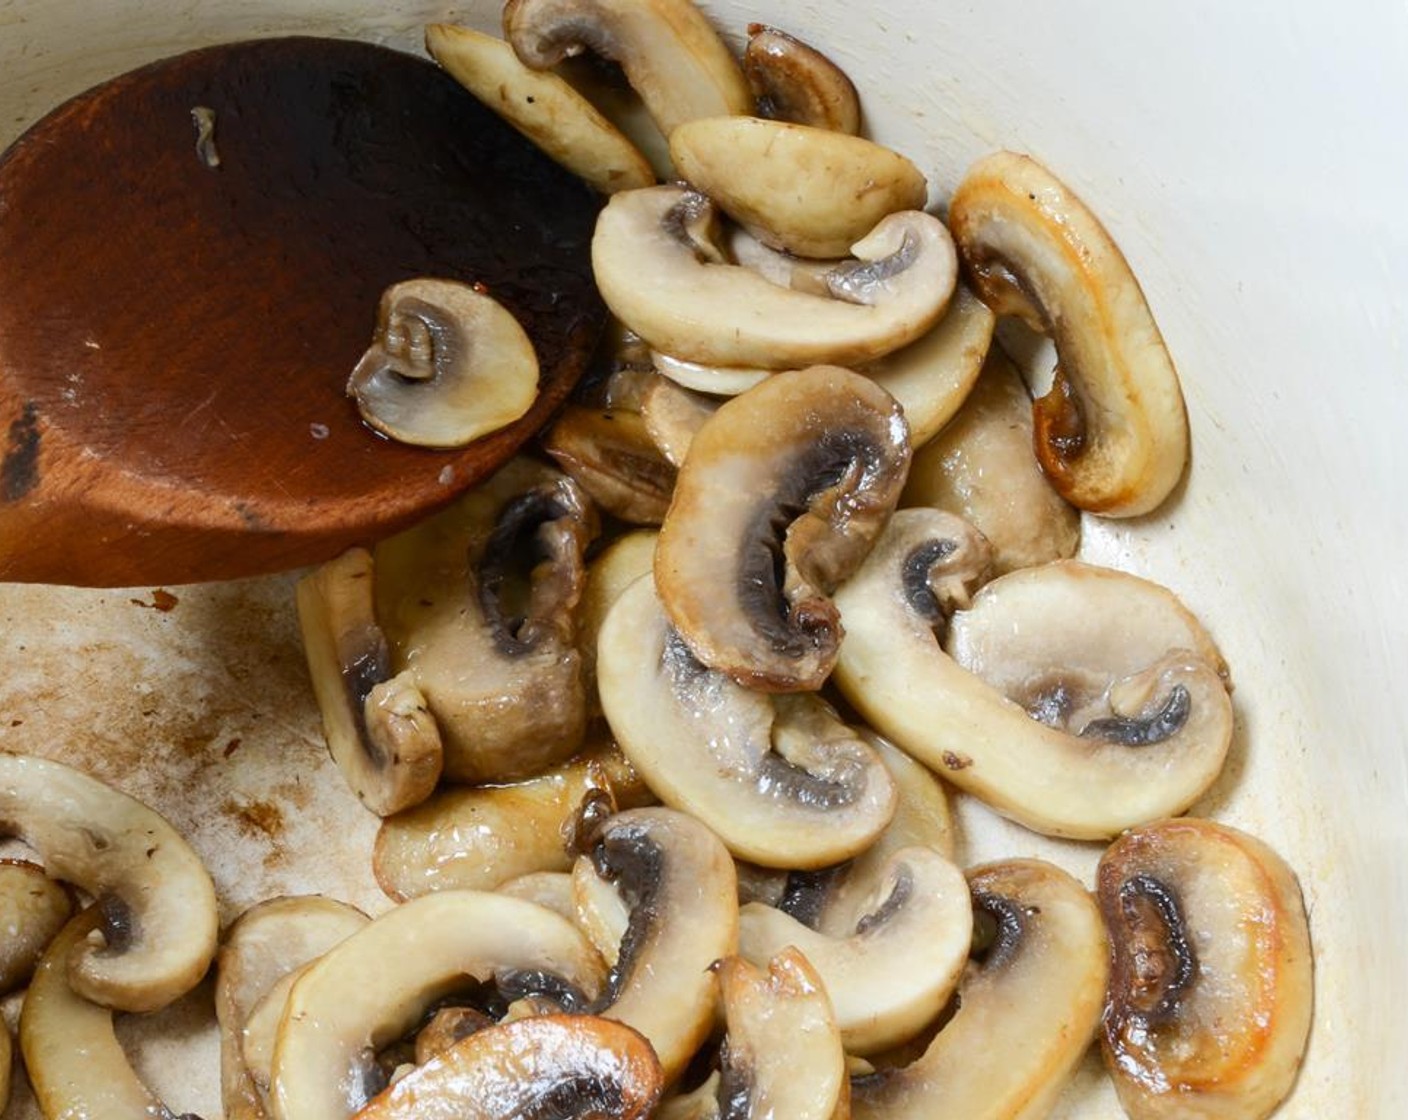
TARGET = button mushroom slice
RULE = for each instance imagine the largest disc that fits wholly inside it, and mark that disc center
(722, 381)
(673, 415)
(933, 376)
(33, 908)
(1027, 1008)
(679, 882)
(655, 278)
(614, 569)
(76, 1066)
(698, 1103)
(482, 837)
(782, 1057)
(1112, 432)
(368, 991)
(479, 603)
(670, 53)
(550, 889)
(600, 910)
(542, 106)
(809, 191)
(792, 81)
(531, 1069)
(781, 779)
(610, 454)
(1209, 1004)
(378, 727)
(447, 364)
(448, 1026)
(1108, 709)
(159, 924)
(981, 467)
(266, 943)
(783, 493)
(893, 957)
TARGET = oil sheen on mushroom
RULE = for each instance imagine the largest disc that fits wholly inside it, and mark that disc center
(784, 491)
(1112, 433)
(1209, 1004)
(479, 605)
(793, 81)
(33, 908)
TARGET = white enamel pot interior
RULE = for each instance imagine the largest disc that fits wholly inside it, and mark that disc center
(1252, 168)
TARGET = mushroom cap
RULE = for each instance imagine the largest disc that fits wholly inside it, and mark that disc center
(780, 778)
(683, 300)
(669, 51)
(895, 956)
(267, 943)
(530, 1069)
(784, 491)
(981, 467)
(1139, 716)
(75, 1064)
(783, 1055)
(611, 455)
(680, 884)
(1028, 1005)
(447, 364)
(33, 908)
(792, 81)
(377, 726)
(1209, 1004)
(157, 904)
(809, 191)
(479, 603)
(542, 106)
(335, 1020)
(1112, 433)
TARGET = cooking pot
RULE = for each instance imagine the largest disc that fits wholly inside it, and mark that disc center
(1253, 170)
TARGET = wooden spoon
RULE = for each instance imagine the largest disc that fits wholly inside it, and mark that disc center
(176, 335)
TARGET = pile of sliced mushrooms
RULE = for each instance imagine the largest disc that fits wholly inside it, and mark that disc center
(664, 720)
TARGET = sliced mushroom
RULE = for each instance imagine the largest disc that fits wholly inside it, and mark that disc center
(531, 1069)
(448, 1026)
(479, 604)
(600, 911)
(780, 778)
(619, 565)
(76, 1066)
(673, 416)
(932, 377)
(722, 381)
(550, 889)
(1112, 433)
(671, 55)
(447, 365)
(809, 191)
(1209, 1004)
(610, 454)
(802, 274)
(1027, 1007)
(542, 106)
(783, 493)
(792, 81)
(698, 1103)
(1077, 700)
(480, 838)
(655, 278)
(378, 727)
(372, 988)
(266, 943)
(892, 959)
(33, 908)
(679, 882)
(981, 467)
(604, 84)
(157, 904)
(783, 1055)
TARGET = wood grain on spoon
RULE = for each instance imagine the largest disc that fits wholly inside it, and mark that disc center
(175, 337)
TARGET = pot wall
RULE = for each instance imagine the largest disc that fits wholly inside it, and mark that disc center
(1253, 171)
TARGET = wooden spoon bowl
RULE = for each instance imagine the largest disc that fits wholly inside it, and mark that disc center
(175, 337)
